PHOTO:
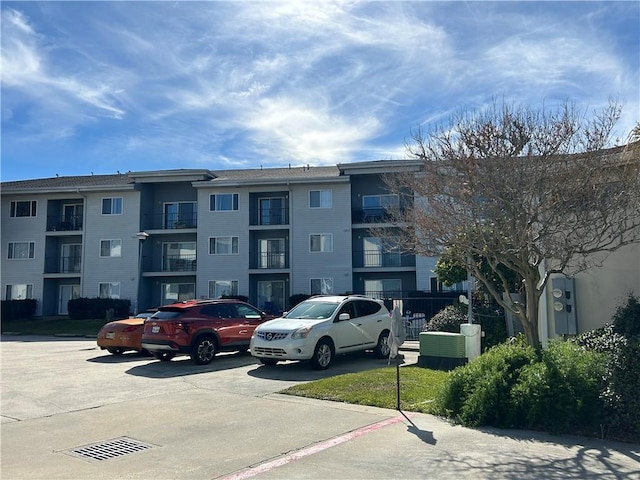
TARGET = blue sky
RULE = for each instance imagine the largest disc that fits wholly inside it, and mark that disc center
(115, 86)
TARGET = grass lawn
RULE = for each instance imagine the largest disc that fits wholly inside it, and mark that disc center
(418, 388)
(52, 326)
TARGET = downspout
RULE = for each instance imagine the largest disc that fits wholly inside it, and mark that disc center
(290, 202)
(84, 241)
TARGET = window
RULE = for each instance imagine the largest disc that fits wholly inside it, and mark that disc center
(379, 202)
(223, 202)
(321, 286)
(223, 245)
(21, 250)
(219, 288)
(383, 288)
(320, 199)
(112, 206)
(110, 248)
(321, 242)
(177, 292)
(23, 208)
(19, 292)
(273, 211)
(179, 257)
(380, 252)
(180, 214)
(109, 290)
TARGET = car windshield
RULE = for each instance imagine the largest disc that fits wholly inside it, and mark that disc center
(318, 310)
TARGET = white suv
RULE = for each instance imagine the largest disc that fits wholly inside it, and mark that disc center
(321, 327)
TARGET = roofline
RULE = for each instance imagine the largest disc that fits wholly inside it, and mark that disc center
(380, 166)
(268, 181)
(76, 189)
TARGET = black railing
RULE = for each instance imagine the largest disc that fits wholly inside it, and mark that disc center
(70, 264)
(169, 221)
(270, 260)
(63, 223)
(376, 258)
(273, 216)
(371, 215)
(179, 263)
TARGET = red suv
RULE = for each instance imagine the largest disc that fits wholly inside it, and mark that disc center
(200, 329)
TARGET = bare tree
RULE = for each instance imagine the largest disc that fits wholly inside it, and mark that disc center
(530, 190)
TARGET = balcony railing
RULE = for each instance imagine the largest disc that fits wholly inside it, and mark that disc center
(376, 258)
(371, 215)
(270, 260)
(70, 264)
(57, 223)
(179, 263)
(169, 221)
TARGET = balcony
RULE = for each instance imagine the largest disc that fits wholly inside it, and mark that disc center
(269, 261)
(179, 263)
(170, 221)
(71, 264)
(64, 223)
(371, 215)
(378, 259)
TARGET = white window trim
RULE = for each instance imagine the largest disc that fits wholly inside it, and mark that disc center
(232, 209)
(9, 286)
(225, 236)
(212, 282)
(112, 198)
(330, 235)
(28, 242)
(13, 205)
(110, 283)
(321, 190)
(110, 247)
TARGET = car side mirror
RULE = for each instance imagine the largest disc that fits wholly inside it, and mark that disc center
(344, 316)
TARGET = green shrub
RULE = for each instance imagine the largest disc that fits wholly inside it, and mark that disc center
(492, 319)
(626, 320)
(561, 394)
(18, 309)
(479, 392)
(88, 308)
(448, 319)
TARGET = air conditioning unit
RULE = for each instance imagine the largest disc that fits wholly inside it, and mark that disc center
(442, 350)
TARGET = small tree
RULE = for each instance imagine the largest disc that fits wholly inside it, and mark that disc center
(521, 190)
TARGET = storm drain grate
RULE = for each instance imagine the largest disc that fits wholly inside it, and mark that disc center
(116, 447)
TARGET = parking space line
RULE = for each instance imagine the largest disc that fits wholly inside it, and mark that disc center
(305, 452)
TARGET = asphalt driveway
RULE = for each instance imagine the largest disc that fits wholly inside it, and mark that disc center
(71, 411)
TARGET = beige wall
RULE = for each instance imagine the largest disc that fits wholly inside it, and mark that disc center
(601, 289)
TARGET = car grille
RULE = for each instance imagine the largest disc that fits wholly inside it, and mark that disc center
(272, 352)
(271, 336)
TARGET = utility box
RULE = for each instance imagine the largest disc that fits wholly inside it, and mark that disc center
(563, 303)
(441, 350)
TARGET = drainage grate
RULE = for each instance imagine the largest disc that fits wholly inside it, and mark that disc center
(116, 447)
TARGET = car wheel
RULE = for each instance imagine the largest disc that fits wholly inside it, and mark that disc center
(382, 348)
(115, 351)
(268, 361)
(322, 355)
(204, 350)
(164, 356)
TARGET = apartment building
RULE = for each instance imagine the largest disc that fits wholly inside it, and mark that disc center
(161, 236)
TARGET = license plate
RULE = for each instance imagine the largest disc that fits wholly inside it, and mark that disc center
(110, 335)
(155, 329)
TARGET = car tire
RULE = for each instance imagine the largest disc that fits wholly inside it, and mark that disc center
(164, 356)
(268, 361)
(322, 354)
(204, 350)
(115, 351)
(382, 348)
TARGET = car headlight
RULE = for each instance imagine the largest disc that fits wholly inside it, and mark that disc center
(301, 333)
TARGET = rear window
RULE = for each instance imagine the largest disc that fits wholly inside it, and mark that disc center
(167, 314)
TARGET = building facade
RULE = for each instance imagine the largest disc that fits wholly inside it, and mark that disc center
(162, 236)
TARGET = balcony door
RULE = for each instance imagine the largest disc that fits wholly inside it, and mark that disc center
(72, 216)
(180, 215)
(179, 257)
(66, 293)
(271, 296)
(272, 254)
(272, 211)
(70, 258)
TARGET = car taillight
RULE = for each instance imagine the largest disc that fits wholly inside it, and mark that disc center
(181, 325)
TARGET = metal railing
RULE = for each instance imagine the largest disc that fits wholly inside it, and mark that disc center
(376, 258)
(179, 263)
(71, 264)
(63, 223)
(170, 221)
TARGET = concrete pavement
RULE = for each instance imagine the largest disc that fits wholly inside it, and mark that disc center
(64, 404)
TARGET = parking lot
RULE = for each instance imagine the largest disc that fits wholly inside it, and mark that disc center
(71, 411)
